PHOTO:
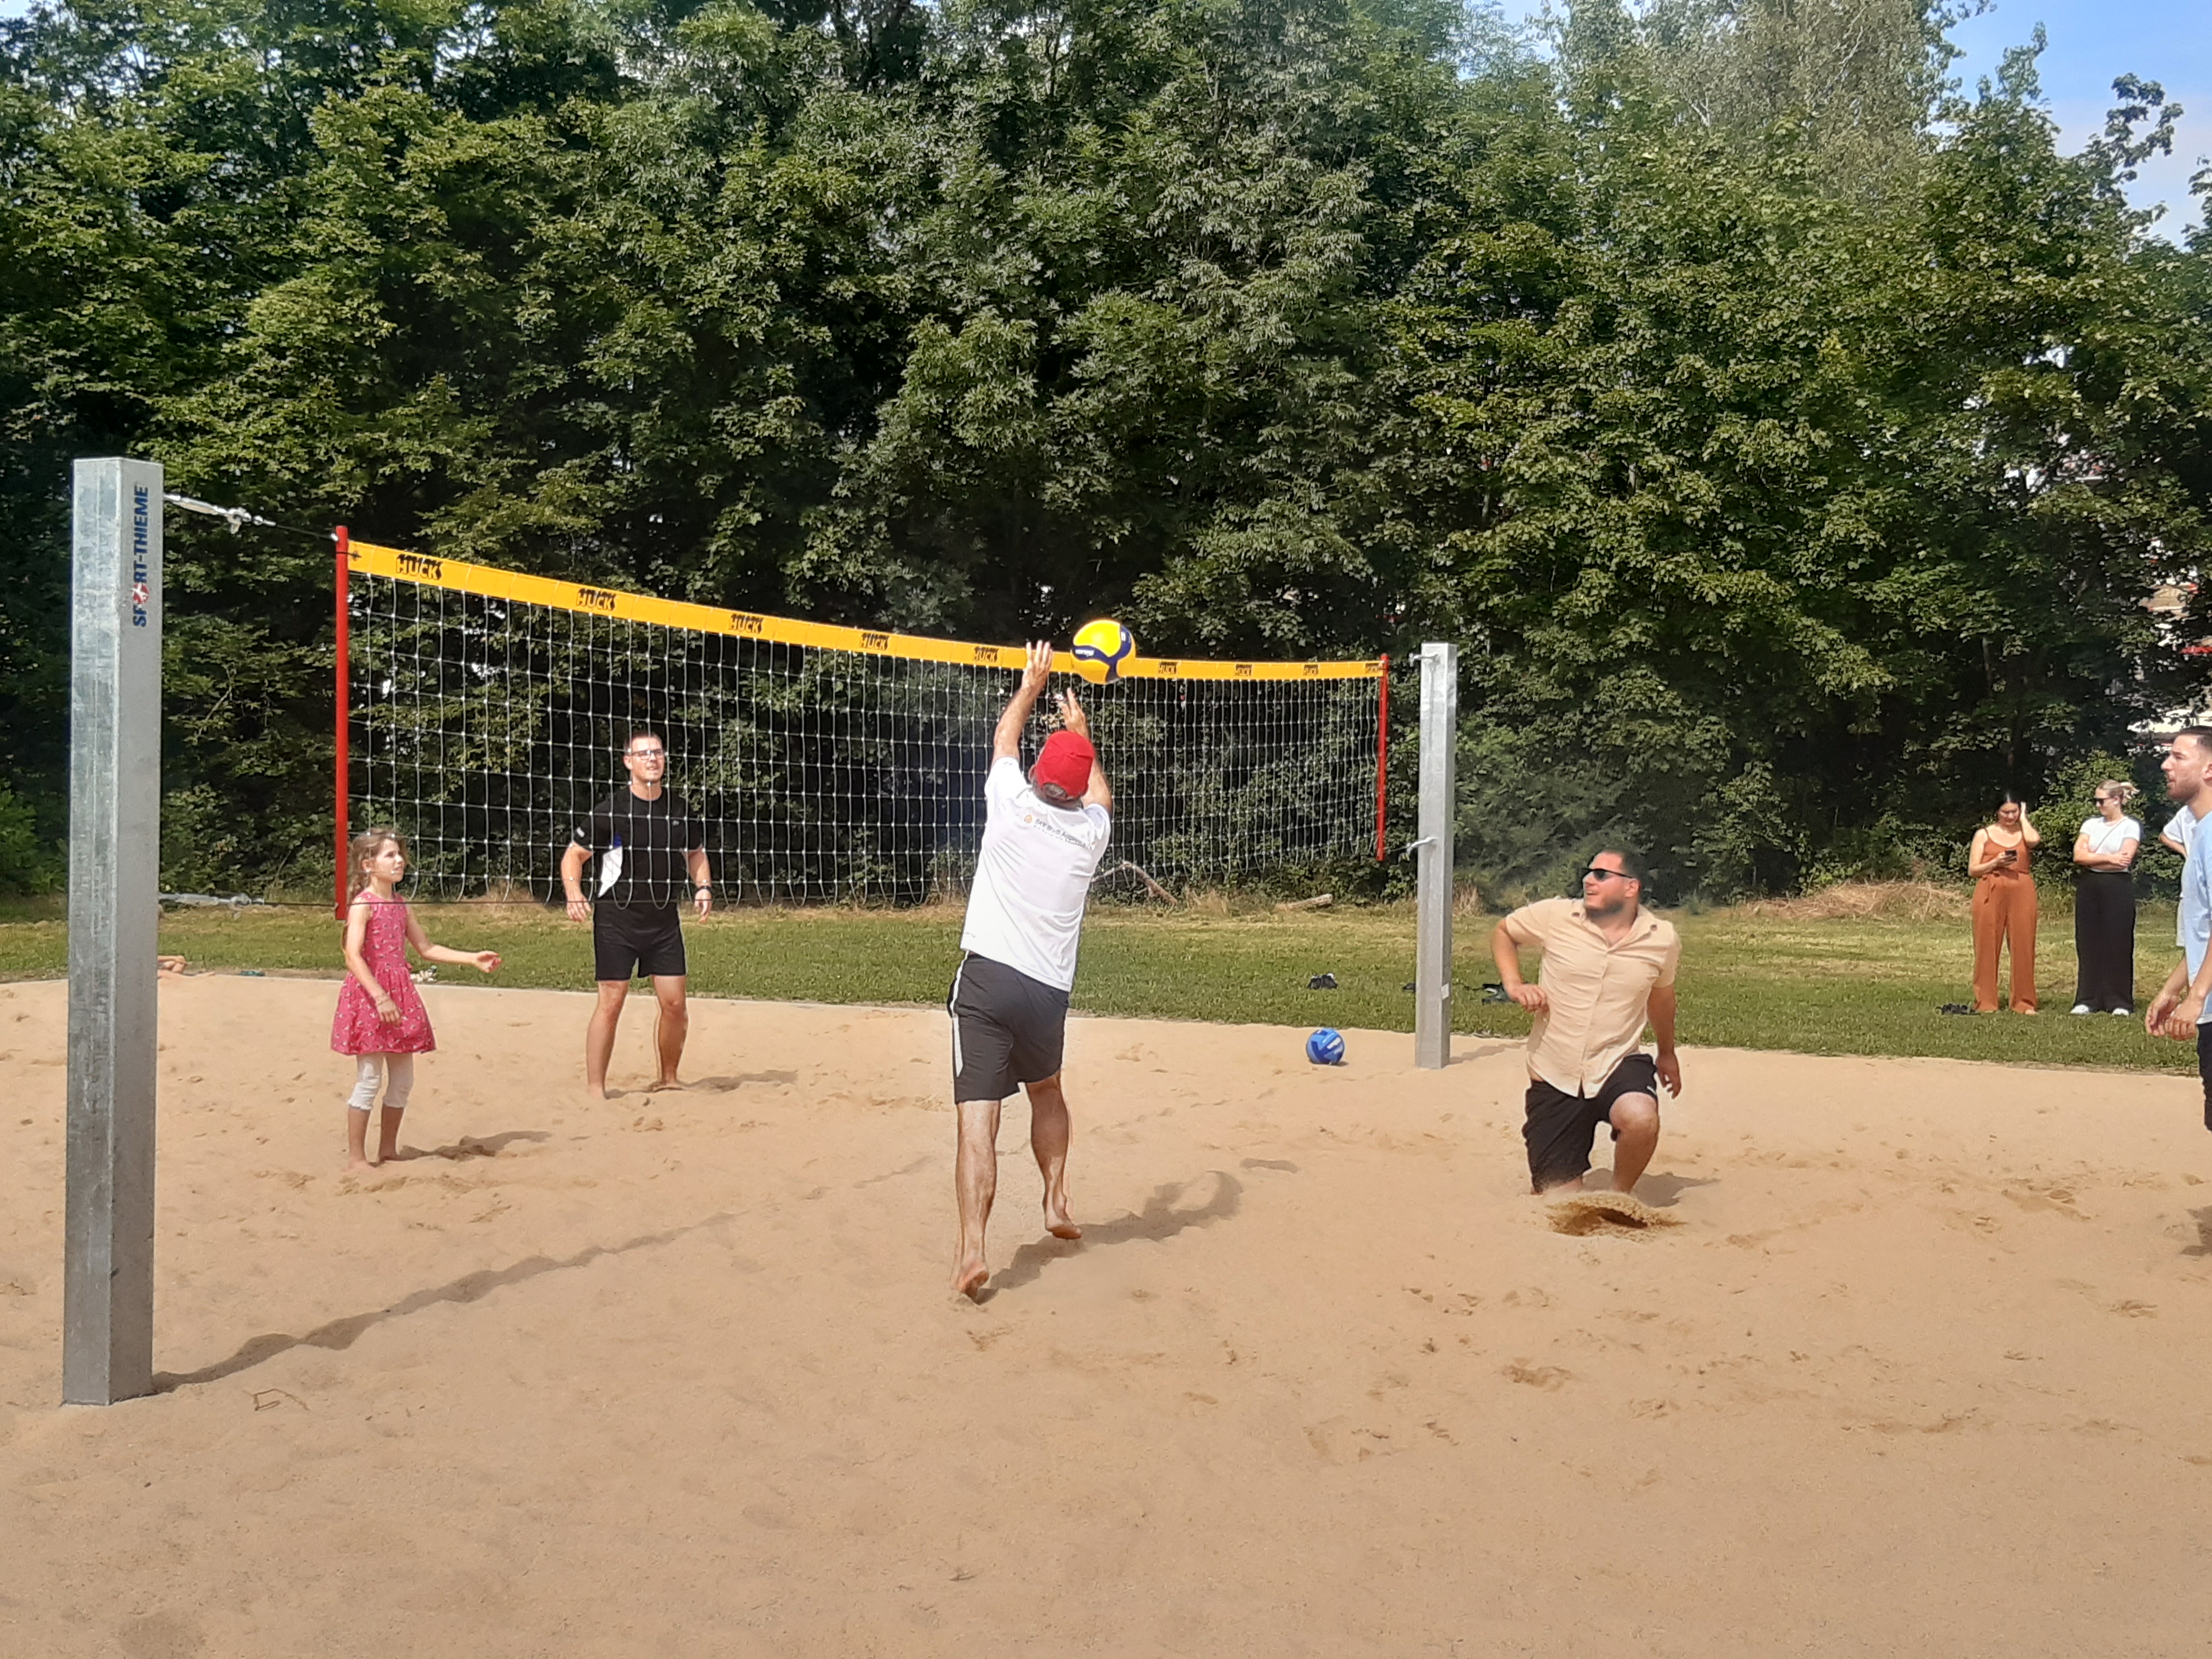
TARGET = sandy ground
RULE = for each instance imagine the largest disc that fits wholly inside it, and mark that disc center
(1922, 1370)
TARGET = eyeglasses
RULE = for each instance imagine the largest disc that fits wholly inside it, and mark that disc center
(648, 754)
(1606, 875)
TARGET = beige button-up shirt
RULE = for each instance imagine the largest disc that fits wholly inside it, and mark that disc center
(1599, 991)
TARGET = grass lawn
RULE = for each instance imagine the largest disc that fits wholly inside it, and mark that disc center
(1855, 986)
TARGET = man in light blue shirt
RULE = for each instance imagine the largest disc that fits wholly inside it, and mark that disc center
(2179, 1011)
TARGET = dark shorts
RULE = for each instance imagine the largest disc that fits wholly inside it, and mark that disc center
(1008, 1029)
(1561, 1128)
(637, 940)
(2204, 1067)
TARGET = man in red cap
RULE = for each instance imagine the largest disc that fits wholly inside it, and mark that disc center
(1042, 839)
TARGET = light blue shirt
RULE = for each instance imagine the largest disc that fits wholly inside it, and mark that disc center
(2195, 922)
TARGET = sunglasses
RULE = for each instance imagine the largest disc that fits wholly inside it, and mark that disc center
(1606, 875)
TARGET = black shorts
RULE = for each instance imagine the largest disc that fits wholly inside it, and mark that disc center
(2204, 1066)
(1561, 1128)
(1008, 1029)
(639, 939)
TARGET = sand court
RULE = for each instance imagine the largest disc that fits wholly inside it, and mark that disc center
(1918, 1367)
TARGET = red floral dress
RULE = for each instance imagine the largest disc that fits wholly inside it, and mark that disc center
(357, 1029)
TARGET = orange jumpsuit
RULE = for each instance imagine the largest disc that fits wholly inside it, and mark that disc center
(2004, 913)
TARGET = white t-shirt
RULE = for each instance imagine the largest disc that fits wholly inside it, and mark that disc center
(1032, 876)
(2178, 827)
(2108, 837)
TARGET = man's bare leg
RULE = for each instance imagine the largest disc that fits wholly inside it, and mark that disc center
(599, 1036)
(1636, 1118)
(974, 1184)
(670, 1026)
(1049, 1134)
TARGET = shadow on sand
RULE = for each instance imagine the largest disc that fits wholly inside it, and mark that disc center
(1662, 1192)
(342, 1333)
(2204, 1245)
(722, 1085)
(483, 1145)
(1160, 1220)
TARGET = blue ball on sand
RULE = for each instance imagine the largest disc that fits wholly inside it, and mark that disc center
(1326, 1048)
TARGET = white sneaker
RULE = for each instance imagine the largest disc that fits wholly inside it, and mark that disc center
(2123, 1013)
(2083, 1008)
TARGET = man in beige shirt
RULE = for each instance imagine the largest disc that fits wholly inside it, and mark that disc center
(1608, 966)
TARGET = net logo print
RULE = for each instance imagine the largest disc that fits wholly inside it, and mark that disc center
(875, 641)
(596, 598)
(141, 530)
(418, 564)
(744, 622)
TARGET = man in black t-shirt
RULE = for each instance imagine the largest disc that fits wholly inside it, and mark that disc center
(652, 849)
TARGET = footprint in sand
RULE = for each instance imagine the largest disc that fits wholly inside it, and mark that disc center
(1594, 1213)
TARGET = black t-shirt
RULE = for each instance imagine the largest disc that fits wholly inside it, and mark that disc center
(652, 837)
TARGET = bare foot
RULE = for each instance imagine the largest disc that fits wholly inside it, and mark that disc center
(1060, 1226)
(969, 1278)
(1564, 1189)
(360, 1166)
(395, 1155)
(660, 1083)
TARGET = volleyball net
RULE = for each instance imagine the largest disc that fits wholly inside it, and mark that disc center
(483, 712)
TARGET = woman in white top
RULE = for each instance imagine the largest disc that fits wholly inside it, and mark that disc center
(2105, 905)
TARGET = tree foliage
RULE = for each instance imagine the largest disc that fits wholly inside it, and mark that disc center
(1790, 438)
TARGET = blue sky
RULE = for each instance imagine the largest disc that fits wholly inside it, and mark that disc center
(2091, 41)
(2169, 41)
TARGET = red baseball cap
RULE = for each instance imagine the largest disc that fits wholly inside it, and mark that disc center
(1065, 760)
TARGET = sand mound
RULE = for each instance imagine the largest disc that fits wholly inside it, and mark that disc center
(682, 1374)
(1582, 1213)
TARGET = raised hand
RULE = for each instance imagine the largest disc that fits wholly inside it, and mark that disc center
(1073, 717)
(1039, 667)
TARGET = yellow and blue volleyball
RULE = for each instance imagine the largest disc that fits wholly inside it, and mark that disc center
(1103, 649)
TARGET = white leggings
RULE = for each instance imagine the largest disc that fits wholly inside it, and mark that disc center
(402, 1083)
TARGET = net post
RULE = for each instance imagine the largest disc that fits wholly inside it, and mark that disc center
(343, 768)
(1433, 951)
(114, 900)
(1382, 759)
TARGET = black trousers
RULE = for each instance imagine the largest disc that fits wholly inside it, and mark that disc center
(2104, 939)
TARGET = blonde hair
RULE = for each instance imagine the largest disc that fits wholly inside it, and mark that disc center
(366, 846)
(2126, 792)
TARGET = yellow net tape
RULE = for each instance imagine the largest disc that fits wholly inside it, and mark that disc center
(368, 559)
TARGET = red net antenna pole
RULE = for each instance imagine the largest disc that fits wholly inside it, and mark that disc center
(343, 768)
(1382, 761)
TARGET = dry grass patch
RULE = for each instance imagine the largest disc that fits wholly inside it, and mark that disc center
(1869, 900)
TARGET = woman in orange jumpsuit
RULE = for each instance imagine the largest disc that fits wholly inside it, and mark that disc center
(2004, 905)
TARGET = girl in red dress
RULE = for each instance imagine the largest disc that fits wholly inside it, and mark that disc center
(380, 1020)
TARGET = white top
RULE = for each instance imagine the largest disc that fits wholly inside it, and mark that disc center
(2178, 827)
(2192, 922)
(1032, 876)
(2109, 837)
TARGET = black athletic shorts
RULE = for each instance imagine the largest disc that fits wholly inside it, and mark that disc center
(1007, 1028)
(639, 939)
(2204, 1066)
(1560, 1127)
